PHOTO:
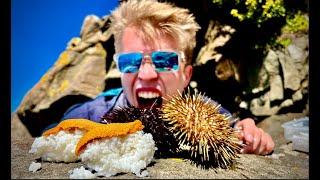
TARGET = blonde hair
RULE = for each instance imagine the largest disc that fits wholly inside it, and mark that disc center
(155, 19)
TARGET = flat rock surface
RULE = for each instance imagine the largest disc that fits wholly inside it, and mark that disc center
(283, 163)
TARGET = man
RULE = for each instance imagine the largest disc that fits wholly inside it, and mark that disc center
(154, 44)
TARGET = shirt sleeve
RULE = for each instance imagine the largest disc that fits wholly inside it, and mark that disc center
(77, 111)
(94, 109)
(91, 110)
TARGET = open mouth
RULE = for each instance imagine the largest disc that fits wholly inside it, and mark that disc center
(148, 99)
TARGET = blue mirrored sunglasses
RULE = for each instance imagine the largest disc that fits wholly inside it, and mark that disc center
(163, 61)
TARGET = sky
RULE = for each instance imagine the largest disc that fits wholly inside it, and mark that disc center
(40, 31)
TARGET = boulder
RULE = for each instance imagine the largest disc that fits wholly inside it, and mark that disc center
(272, 66)
(276, 88)
(286, 71)
(78, 75)
(290, 73)
(216, 36)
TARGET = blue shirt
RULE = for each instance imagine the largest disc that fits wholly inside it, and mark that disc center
(95, 109)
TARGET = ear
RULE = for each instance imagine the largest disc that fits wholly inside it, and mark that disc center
(187, 75)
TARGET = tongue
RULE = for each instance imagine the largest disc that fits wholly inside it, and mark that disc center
(150, 102)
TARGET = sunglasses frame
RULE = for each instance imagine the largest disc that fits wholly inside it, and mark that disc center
(181, 58)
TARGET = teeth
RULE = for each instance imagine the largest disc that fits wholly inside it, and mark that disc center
(148, 95)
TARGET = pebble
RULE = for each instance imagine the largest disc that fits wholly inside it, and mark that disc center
(34, 167)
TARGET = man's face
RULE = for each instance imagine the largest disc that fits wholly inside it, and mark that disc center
(147, 86)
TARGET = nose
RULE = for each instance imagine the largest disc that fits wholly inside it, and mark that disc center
(147, 71)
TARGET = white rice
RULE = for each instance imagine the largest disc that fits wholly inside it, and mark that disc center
(107, 156)
(81, 173)
(58, 147)
(131, 153)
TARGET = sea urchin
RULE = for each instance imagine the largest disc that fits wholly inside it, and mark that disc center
(201, 129)
(150, 118)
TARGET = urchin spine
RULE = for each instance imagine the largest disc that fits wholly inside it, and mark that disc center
(197, 123)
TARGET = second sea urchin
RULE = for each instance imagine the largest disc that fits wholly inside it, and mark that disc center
(202, 129)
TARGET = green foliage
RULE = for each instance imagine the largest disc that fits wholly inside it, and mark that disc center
(296, 23)
(257, 11)
(284, 42)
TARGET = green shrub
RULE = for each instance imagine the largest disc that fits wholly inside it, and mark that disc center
(257, 11)
(284, 42)
(296, 23)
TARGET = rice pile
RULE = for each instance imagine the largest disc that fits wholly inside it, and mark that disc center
(58, 147)
(108, 157)
(115, 148)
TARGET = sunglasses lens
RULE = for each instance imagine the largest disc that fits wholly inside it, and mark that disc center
(129, 62)
(165, 61)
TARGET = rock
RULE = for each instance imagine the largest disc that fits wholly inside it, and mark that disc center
(91, 26)
(217, 35)
(17, 128)
(276, 88)
(34, 166)
(261, 106)
(263, 81)
(304, 70)
(77, 76)
(290, 73)
(91, 33)
(286, 103)
(296, 53)
(271, 63)
(226, 69)
(298, 49)
(297, 95)
(302, 42)
(73, 43)
(283, 70)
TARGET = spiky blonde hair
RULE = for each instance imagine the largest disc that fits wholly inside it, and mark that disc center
(154, 20)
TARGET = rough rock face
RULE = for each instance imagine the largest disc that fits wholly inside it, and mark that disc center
(281, 84)
(78, 75)
(221, 74)
(283, 79)
(217, 35)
